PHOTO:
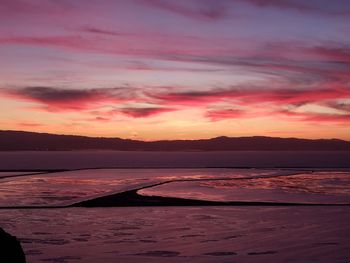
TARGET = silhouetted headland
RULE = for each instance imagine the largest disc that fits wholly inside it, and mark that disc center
(11, 249)
(31, 141)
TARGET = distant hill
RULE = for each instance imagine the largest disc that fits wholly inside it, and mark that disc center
(31, 141)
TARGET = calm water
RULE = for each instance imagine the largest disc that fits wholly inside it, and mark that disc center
(180, 234)
(209, 184)
(106, 159)
(62, 188)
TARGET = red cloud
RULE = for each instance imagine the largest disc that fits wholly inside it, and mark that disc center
(144, 112)
(251, 95)
(56, 100)
(333, 53)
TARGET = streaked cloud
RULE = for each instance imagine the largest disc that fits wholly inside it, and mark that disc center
(61, 99)
(203, 10)
(176, 66)
(223, 114)
(144, 112)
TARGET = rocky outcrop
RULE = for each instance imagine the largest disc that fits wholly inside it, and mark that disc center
(10, 249)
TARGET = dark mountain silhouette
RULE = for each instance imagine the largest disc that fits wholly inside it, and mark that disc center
(20, 140)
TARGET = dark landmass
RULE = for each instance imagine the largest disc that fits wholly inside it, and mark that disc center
(11, 249)
(31, 141)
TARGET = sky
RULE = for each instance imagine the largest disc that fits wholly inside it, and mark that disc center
(184, 69)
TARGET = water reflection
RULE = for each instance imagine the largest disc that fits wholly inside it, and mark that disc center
(319, 187)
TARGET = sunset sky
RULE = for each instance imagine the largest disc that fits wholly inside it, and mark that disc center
(184, 69)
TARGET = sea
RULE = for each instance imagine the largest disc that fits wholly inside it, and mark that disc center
(19, 160)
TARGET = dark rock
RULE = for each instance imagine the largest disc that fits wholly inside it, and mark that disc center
(10, 249)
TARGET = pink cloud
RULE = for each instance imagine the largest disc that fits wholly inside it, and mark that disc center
(96, 30)
(222, 114)
(29, 124)
(74, 42)
(313, 117)
(204, 9)
(250, 95)
(303, 6)
(285, 4)
(339, 106)
(101, 119)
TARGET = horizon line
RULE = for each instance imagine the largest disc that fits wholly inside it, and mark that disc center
(140, 140)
